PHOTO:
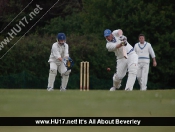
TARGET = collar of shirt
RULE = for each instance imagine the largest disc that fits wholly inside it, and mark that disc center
(113, 40)
(60, 44)
(143, 43)
(142, 46)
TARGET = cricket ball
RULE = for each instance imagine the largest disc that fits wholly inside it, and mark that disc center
(108, 69)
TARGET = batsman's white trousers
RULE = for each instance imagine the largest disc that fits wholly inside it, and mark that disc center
(142, 75)
(129, 64)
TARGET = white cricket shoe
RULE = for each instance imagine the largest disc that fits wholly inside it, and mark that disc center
(112, 89)
(127, 89)
(62, 89)
(50, 89)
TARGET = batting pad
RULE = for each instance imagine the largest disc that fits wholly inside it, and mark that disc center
(64, 81)
(51, 78)
(132, 72)
(116, 81)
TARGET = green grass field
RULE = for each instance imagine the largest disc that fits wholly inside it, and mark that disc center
(94, 103)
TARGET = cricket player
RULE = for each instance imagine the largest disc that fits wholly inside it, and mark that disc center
(144, 50)
(59, 53)
(117, 43)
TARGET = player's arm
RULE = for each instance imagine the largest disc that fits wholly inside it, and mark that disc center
(113, 46)
(66, 51)
(151, 51)
(122, 43)
(56, 53)
(154, 62)
(117, 33)
(135, 49)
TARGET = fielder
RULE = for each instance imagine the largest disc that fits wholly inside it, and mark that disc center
(58, 60)
(144, 49)
(117, 43)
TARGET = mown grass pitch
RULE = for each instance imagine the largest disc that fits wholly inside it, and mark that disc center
(93, 103)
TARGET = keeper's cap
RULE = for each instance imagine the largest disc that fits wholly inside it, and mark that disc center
(107, 32)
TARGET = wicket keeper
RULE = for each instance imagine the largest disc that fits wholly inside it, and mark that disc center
(58, 57)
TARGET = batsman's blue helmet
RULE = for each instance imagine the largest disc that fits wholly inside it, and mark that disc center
(61, 36)
(107, 32)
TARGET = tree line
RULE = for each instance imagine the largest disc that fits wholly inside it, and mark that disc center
(83, 21)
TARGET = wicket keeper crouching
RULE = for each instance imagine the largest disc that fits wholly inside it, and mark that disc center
(58, 57)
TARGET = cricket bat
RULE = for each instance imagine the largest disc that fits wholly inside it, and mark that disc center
(124, 52)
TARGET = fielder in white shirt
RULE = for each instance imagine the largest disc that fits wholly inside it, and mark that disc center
(115, 43)
(59, 52)
(144, 50)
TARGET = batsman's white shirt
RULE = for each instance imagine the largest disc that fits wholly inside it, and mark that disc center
(111, 46)
(58, 51)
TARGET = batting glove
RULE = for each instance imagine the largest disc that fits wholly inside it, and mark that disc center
(122, 38)
(124, 43)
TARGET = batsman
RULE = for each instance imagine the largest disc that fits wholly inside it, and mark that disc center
(59, 61)
(126, 57)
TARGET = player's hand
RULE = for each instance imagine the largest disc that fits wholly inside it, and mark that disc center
(60, 59)
(123, 38)
(154, 63)
(124, 43)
